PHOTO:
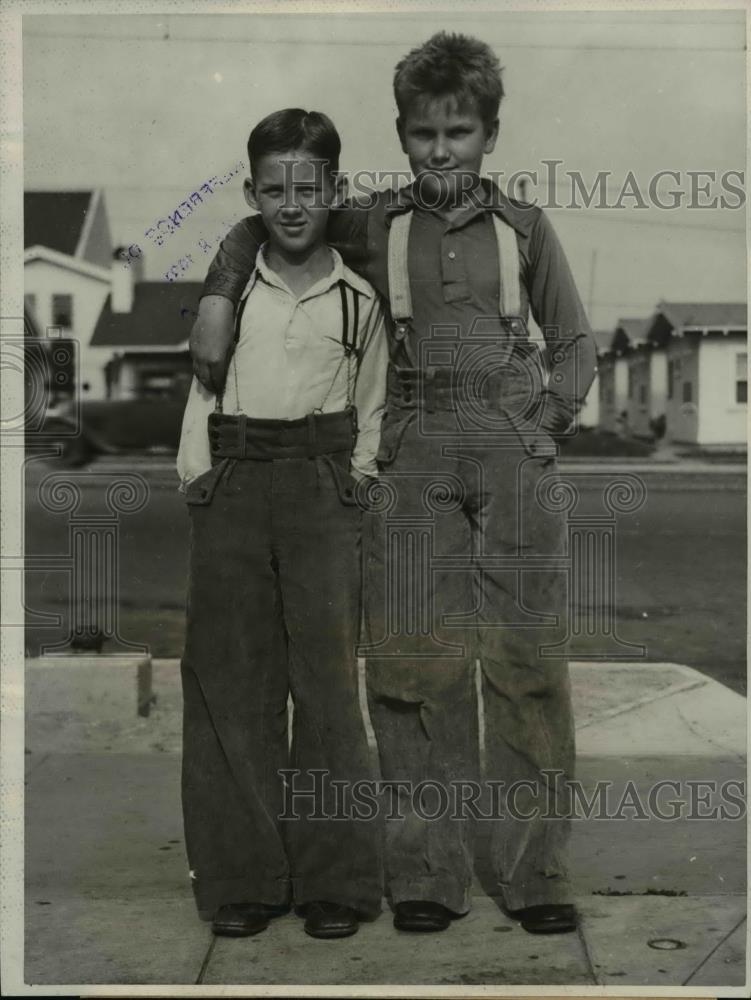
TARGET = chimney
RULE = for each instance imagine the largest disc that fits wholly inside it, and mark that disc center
(126, 271)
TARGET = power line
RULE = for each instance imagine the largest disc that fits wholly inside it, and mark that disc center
(501, 45)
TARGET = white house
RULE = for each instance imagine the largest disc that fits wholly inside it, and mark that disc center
(646, 388)
(589, 415)
(129, 335)
(705, 348)
(68, 271)
(613, 374)
(141, 337)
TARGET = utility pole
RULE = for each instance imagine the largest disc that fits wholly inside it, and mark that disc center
(591, 296)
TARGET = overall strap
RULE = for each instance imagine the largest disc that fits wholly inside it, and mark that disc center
(400, 297)
(509, 296)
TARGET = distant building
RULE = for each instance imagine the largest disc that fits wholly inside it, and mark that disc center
(706, 389)
(130, 336)
(67, 269)
(141, 337)
(613, 375)
(589, 415)
(646, 389)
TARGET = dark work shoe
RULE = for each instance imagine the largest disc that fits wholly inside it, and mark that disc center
(547, 918)
(421, 915)
(330, 920)
(241, 919)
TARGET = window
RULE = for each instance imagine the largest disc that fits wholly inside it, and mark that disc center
(671, 365)
(62, 311)
(688, 392)
(30, 303)
(741, 377)
(642, 394)
(631, 383)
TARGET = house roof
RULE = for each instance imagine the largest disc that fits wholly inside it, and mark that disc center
(603, 340)
(162, 316)
(703, 315)
(55, 219)
(63, 260)
(634, 329)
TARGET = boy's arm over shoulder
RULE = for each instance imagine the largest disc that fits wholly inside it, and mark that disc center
(234, 260)
(370, 387)
(213, 331)
(558, 311)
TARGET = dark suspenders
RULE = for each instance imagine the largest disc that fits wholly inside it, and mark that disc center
(349, 334)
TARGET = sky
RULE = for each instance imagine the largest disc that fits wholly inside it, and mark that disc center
(150, 107)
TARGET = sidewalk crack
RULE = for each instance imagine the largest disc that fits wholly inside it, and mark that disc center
(206, 960)
(716, 947)
(585, 947)
(708, 739)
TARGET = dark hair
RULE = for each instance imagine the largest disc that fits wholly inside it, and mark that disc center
(294, 128)
(450, 66)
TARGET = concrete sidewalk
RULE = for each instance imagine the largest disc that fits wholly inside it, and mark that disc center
(108, 898)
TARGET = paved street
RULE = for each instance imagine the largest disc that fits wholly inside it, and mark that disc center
(680, 563)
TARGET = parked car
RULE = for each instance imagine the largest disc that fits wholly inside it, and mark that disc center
(85, 429)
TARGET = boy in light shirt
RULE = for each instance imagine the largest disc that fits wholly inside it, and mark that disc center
(269, 470)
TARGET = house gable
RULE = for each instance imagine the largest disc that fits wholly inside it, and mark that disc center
(161, 317)
(95, 242)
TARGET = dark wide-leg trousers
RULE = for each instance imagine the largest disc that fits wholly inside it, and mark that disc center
(273, 607)
(464, 562)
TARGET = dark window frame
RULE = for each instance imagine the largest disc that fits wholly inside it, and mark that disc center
(62, 310)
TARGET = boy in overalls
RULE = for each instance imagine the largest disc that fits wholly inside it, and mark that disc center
(274, 593)
(467, 453)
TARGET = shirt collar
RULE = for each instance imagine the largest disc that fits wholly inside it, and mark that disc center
(491, 199)
(339, 272)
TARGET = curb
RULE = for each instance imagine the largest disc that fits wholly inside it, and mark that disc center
(626, 709)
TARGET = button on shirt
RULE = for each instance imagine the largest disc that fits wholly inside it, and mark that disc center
(289, 361)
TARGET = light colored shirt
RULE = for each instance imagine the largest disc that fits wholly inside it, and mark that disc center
(290, 361)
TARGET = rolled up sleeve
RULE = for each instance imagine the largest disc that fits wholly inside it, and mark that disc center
(558, 311)
(234, 260)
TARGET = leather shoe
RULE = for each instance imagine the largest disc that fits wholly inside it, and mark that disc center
(241, 919)
(547, 918)
(330, 920)
(421, 915)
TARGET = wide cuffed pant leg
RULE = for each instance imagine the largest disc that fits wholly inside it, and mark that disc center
(336, 857)
(420, 679)
(529, 728)
(235, 688)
